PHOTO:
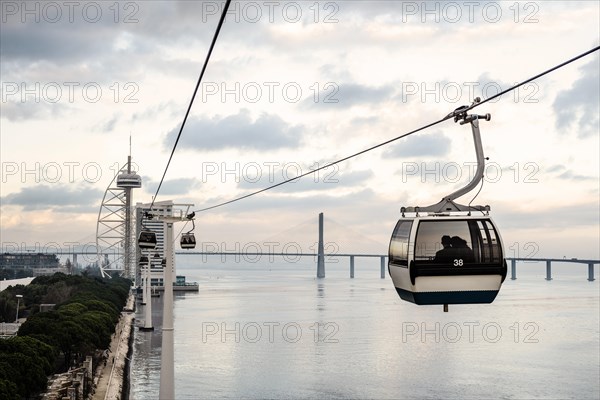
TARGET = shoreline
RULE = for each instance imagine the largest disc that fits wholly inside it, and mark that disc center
(127, 370)
(112, 379)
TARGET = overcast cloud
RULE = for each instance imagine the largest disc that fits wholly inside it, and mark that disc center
(577, 108)
(267, 132)
(432, 144)
(365, 72)
(172, 187)
(56, 197)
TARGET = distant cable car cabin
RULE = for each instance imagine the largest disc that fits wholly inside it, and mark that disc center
(188, 240)
(147, 239)
(449, 253)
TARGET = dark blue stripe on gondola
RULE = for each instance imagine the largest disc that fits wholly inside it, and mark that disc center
(464, 297)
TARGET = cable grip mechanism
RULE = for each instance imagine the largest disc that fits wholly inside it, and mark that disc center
(460, 114)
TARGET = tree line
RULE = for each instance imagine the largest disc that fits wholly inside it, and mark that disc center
(83, 319)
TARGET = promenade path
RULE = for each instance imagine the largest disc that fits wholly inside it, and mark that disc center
(110, 382)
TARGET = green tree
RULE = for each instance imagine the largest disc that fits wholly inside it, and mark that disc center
(24, 364)
(83, 320)
(8, 389)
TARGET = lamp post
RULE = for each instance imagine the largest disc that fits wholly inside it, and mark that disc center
(19, 297)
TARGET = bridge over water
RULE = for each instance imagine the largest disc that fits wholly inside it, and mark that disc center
(353, 256)
(382, 257)
(319, 253)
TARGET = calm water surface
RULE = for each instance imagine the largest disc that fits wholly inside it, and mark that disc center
(272, 330)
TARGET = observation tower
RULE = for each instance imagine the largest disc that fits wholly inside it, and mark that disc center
(115, 242)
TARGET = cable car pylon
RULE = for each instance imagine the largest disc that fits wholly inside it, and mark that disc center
(442, 253)
(147, 240)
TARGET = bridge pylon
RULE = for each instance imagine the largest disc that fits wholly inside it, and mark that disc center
(321, 250)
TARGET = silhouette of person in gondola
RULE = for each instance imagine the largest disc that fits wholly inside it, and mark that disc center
(461, 250)
(447, 253)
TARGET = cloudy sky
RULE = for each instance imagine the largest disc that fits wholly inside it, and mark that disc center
(291, 86)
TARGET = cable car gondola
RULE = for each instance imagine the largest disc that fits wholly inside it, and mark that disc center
(447, 259)
(147, 239)
(449, 253)
(188, 240)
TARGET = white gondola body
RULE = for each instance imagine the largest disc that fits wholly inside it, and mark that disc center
(423, 275)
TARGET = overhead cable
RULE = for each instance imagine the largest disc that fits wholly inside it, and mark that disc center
(210, 50)
(449, 116)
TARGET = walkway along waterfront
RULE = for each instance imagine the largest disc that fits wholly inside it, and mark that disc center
(111, 381)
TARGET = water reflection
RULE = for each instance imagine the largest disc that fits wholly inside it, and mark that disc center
(321, 300)
(281, 333)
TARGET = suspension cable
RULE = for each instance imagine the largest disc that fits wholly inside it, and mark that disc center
(210, 50)
(546, 72)
(451, 115)
(326, 165)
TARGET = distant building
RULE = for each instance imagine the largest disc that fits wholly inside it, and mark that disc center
(29, 260)
(23, 265)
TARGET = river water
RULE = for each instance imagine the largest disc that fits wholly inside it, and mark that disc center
(272, 330)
